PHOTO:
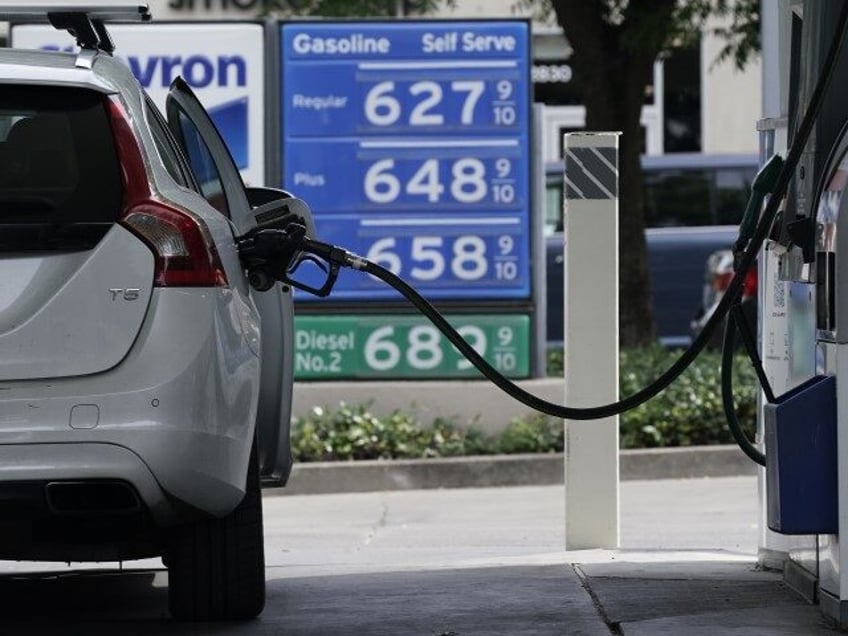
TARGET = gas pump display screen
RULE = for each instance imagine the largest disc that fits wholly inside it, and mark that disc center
(410, 143)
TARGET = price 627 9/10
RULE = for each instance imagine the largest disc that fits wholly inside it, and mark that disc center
(425, 103)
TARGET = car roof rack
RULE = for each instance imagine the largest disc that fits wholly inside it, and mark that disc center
(83, 20)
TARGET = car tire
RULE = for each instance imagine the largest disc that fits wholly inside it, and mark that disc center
(216, 567)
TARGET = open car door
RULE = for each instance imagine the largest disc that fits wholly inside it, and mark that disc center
(220, 180)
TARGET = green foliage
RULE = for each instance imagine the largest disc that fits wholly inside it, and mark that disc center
(687, 413)
(741, 33)
(555, 362)
(641, 23)
(352, 432)
(536, 434)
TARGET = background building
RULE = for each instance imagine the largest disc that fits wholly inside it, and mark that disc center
(692, 105)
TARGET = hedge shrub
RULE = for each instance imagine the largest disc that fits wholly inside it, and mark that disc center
(352, 432)
(688, 412)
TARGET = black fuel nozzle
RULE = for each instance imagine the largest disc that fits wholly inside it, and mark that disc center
(269, 253)
(272, 251)
(273, 255)
(763, 185)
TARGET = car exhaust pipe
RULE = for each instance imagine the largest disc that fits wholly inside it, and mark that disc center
(91, 498)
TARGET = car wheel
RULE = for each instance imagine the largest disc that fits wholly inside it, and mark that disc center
(216, 567)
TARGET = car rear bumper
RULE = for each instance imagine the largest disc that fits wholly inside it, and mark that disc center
(180, 409)
(53, 463)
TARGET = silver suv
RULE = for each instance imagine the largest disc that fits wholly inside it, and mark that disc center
(144, 387)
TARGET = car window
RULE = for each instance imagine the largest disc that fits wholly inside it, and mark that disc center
(553, 206)
(165, 145)
(203, 165)
(60, 182)
(732, 188)
(677, 198)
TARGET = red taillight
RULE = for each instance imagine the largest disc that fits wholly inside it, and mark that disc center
(749, 287)
(185, 256)
(184, 250)
(722, 280)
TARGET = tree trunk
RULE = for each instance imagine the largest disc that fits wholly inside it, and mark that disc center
(613, 67)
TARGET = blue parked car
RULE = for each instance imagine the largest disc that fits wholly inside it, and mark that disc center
(693, 204)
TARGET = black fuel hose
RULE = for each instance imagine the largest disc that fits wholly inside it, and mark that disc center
(727, 350)
(510, 387)
(701, 340)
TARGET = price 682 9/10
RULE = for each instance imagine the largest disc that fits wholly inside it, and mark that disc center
(424, 348)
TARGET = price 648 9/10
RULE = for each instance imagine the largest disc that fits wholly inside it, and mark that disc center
(465, 257)
(466, 182)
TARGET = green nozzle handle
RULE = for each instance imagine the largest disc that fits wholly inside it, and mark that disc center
(763, 184)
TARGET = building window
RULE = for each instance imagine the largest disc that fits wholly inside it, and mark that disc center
(682, 100)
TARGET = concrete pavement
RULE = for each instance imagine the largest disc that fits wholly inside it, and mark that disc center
(490, 561)
(463, 562)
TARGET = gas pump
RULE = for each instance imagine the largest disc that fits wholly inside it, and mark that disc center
(805, 429)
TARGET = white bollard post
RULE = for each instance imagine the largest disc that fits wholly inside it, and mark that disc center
(591, 337)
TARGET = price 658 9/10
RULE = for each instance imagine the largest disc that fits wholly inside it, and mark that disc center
(466, 258)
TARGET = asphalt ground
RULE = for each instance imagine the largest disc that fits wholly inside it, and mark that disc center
(456, 562)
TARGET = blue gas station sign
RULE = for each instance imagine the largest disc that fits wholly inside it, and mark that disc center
(410, 141)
